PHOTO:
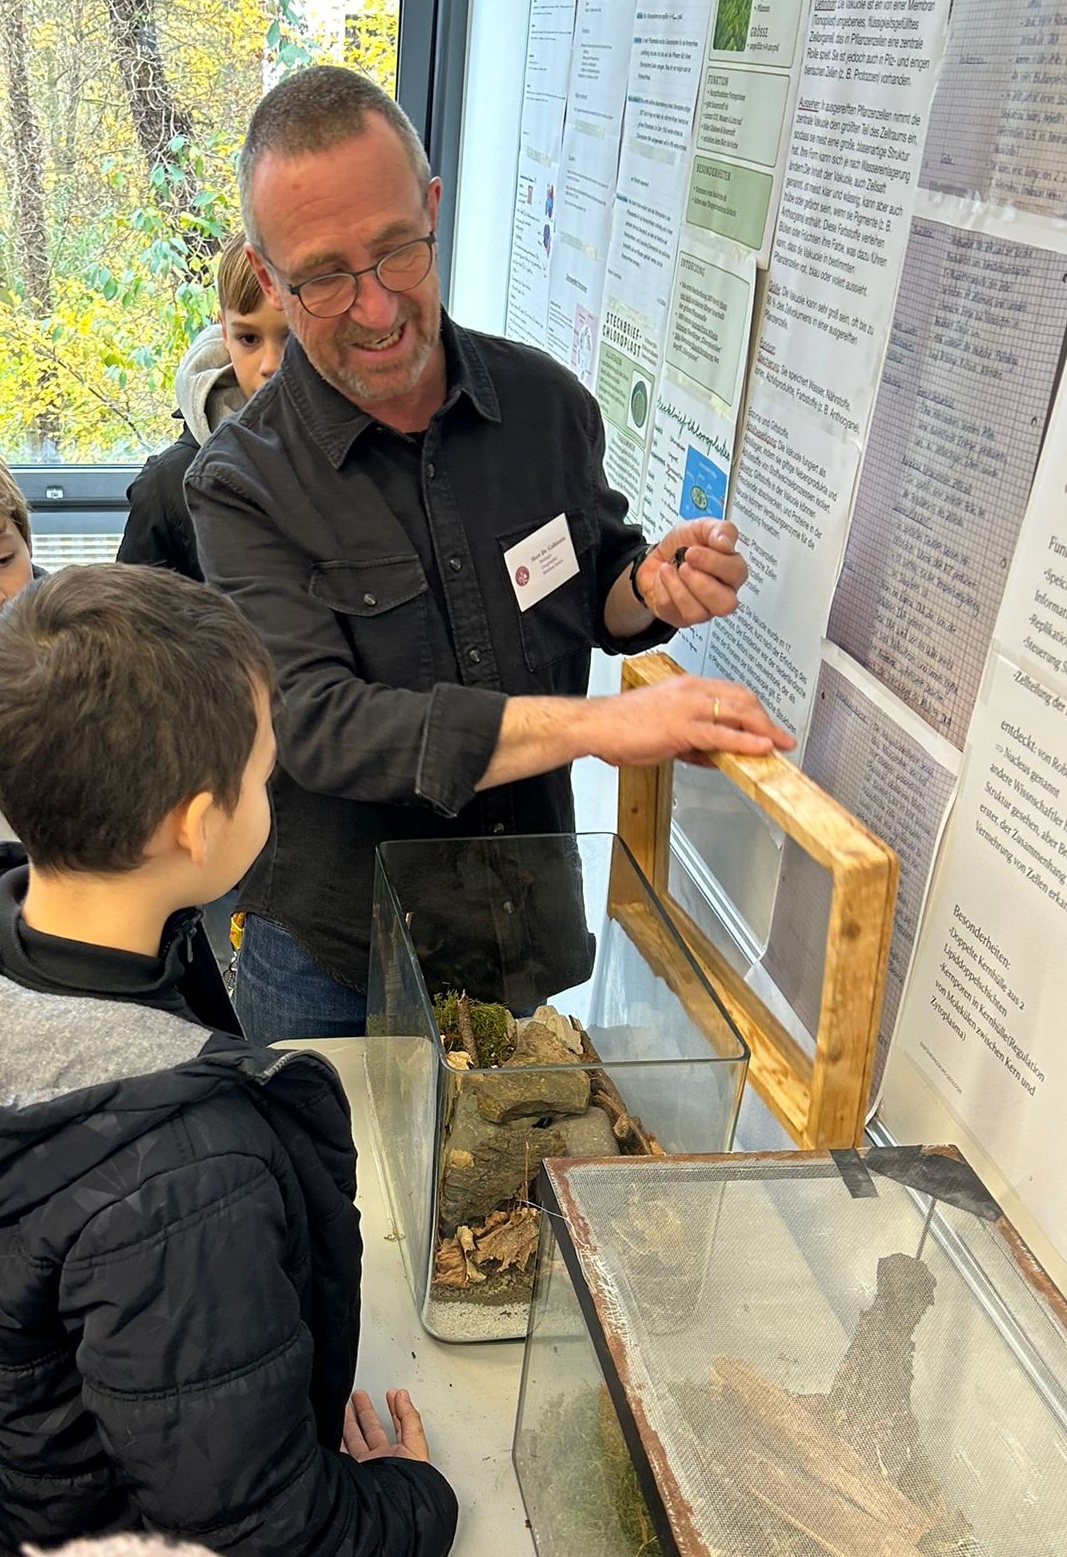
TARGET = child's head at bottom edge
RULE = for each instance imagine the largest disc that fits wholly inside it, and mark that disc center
(16, 568)
(135, 730)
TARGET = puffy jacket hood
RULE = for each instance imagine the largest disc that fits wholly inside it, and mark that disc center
(205, 385)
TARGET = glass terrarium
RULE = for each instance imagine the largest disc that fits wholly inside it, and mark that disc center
(528, 998)
(790, 1355)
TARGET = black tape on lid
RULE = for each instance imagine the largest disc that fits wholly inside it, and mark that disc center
(858, 1181)
(944, 1176)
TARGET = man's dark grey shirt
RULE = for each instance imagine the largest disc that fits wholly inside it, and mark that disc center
(373, 563)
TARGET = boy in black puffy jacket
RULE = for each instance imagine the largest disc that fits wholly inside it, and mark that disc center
(179, 1250)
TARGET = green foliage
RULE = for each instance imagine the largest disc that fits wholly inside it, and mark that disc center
(490, 1026)
(731, 25)
(371, 41)
(88, 372)
(596, 1505)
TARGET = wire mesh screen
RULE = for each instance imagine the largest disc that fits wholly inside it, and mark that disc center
(814, 1363)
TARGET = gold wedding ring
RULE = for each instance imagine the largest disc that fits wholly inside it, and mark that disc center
(715, 711)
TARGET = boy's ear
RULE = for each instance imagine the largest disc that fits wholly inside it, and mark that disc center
(189, 827)
(222, 322)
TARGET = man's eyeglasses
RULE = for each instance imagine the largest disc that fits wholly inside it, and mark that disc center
(327, 297)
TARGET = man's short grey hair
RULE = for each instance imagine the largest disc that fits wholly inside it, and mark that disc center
(314, 110)
(120, 1546)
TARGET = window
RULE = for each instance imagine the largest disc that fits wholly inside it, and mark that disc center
(120, 125)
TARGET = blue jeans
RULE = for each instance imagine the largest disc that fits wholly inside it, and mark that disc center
(217, 924)
(283, 993)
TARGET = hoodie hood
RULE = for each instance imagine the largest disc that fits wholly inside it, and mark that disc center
(205, 384)
(81, 1077)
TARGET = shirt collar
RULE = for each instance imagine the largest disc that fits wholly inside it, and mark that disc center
(335, 423)
(80, 968)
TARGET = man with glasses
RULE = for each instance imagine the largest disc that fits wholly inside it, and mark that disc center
(417, 519)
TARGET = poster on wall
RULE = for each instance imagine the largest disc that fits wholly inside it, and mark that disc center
(666, 59)
(744, 114)
(961, 412)
(540, 150)
(983, 1015)
(596, 102)
(850, 182)
(701, 386)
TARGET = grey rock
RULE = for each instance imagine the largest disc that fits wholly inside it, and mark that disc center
(589, 1135)
(526, 1092)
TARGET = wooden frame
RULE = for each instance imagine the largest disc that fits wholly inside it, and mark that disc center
(821, 1099)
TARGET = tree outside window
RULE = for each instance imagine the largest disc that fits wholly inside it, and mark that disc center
(120, 126)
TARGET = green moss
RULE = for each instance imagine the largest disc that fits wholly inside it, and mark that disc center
(490, 1025)
(586, 1475)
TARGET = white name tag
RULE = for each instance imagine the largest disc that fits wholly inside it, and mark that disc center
(542, 562)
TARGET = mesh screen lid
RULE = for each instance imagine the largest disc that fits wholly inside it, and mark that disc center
(800, 1369)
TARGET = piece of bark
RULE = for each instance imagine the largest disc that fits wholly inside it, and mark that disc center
(869, 1403)
(503, 1161)
(528, 1092)
(785, 1428)
(466, 1032)
(835, 1525)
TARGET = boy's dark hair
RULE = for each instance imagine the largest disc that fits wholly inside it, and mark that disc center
(235, 280)
(124, 691)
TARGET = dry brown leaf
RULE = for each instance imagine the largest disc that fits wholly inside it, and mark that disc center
(450, 1266)
(465, 1239)
(512, 1242)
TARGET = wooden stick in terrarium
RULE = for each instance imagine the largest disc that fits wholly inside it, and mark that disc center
(840, 1473)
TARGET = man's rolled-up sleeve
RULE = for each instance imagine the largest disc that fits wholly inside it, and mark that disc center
(338, 734)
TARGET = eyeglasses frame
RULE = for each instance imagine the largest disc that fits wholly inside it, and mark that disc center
(354, 275)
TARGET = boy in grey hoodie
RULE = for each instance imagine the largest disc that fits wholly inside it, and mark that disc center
(222, 369)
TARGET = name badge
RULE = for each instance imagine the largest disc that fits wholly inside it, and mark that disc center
(541, 562)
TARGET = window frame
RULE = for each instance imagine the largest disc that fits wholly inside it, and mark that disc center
(431, 67)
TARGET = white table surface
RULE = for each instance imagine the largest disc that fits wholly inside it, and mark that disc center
(467, 1394)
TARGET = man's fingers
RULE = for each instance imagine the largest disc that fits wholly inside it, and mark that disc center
(719, 533)
(688, 595)
(728, 567)
(352, 1440)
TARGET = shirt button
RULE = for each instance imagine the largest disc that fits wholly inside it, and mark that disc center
(370, 600)
(475, 656)
(431, 470)
(456, 564)
(498, 827)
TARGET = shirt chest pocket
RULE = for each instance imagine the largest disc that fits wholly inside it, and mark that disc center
(563, 622)
(383, 608)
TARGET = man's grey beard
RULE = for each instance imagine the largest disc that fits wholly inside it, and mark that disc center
(368, 388)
